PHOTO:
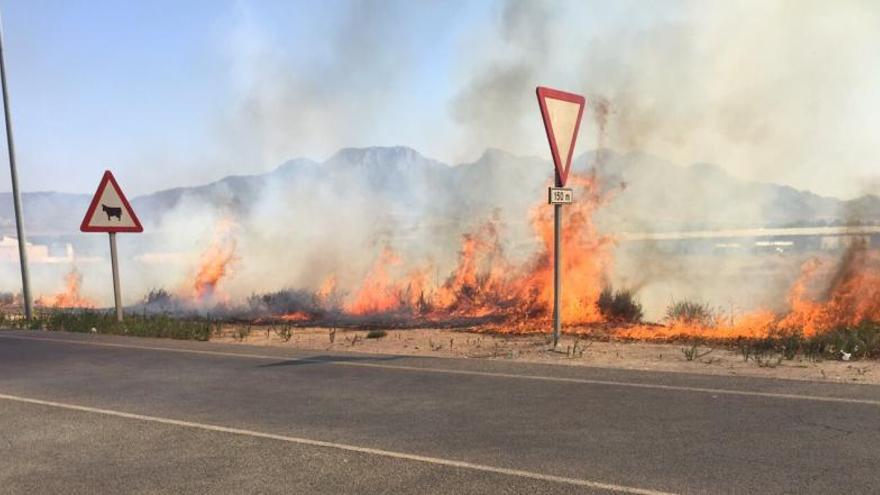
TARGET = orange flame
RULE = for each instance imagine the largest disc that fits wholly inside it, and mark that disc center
(484, 282)
(296, 316)
(327, 289)
(215, 261)
(70, 297)
(851, 296)
(586, 255)
(379, 292)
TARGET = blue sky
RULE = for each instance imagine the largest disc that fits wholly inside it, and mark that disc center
(98, 84)
(169, 93)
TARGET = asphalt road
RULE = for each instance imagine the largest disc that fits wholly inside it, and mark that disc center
(99, 414)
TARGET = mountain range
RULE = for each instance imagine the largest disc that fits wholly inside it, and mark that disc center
(645, 193)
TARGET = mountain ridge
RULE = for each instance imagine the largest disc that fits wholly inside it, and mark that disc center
(658, 195)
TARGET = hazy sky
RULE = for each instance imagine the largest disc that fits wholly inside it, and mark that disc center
(170, 93)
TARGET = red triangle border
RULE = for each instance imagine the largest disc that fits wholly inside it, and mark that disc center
(562, 167)
(108, 178)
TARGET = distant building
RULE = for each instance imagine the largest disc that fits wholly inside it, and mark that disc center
(37, 253)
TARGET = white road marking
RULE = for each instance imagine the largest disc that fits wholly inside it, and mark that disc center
(447, 371)
(341, 446)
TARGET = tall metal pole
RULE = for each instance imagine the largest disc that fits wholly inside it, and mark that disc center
(114, 262)
(557, 282)
(16, 195)
(557, 267)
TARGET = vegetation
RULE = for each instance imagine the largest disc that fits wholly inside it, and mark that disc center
(285, 332)
(690, 313)
(845, 343)
(619, 306)
(693, 352)
(242, 332)
(282, 302)
(848, 343)
(139, 325)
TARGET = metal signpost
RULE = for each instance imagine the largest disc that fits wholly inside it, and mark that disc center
(114, 215)
(16, 195)
(562, 114)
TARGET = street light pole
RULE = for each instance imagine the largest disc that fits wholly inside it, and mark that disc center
(16, 194)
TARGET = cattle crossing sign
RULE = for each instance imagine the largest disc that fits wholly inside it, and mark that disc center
(110, 212)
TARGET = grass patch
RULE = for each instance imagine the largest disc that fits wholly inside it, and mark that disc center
(95, 321)
(376, 334)
(848, 343)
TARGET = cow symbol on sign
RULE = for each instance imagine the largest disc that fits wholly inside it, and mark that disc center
(112, 211)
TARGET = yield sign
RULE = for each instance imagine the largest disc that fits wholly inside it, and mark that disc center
(109, 210)
(562, 117)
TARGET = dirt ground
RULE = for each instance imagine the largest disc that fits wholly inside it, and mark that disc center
(571, 351)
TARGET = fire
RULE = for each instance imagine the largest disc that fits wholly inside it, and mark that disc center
(824, 297)
(756, 324)
(485, 283)
(478, 285)
(70, 297)
(296, 316)
(379, 293)
(518, 297)
(851, 297)
(327, 290)
(586, 255)
(215, 261)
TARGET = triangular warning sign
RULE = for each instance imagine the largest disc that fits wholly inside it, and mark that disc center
(562, 118)
(109, 210)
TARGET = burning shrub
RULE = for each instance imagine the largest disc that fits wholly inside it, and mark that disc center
(690, 313)
(619, 306)
(299, 303)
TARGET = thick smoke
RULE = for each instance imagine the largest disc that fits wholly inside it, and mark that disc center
(327, 98)
(773, 91)
(777, 92)
(770, 91)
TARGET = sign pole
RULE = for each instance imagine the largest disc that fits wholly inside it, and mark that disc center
(557, 280)
(114, 262)
(16, 195)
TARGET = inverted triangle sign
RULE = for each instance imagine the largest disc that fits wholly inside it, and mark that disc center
(562, 114)
(109, 210)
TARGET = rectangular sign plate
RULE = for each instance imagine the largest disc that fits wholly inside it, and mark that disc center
(559, 196)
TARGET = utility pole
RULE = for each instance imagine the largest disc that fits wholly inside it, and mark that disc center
(16, 194)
